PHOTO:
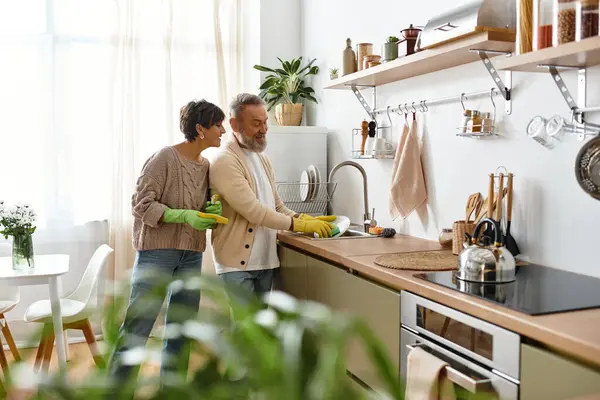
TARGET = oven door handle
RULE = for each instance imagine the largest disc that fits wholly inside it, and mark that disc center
(458, 378)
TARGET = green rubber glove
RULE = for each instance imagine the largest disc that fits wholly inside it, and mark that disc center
(189, 217)
(214, 207)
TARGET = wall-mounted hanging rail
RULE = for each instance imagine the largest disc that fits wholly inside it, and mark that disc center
(423, 105)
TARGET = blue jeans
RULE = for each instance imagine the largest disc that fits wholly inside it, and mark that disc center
(152, 269)
(256, 282)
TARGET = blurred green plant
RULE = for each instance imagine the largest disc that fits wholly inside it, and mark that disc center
(272, 349)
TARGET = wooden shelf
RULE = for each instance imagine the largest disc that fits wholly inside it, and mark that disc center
(576, 54)
(446, 56)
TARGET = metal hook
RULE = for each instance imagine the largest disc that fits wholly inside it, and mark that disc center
(425, 105)
(413, 107)
(421, 106)
(462, 98)
(492, 98)
(388, 115)
(399, 110)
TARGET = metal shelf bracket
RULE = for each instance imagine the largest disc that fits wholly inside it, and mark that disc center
(578, 106)
(505, 88)
(363, 102)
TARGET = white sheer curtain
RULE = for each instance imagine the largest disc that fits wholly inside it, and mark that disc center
(89, 89)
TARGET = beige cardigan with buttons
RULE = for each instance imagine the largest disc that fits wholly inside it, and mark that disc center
(230, 177)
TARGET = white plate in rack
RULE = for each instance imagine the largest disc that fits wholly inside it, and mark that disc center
(305, 187)
(314, 171)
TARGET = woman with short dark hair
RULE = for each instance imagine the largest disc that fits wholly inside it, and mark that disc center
(170, 237)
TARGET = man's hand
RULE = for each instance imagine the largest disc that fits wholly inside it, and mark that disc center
(322, 228)
(326, 218)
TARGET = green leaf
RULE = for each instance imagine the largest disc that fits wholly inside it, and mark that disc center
(296, 65)
(263, 69)
(311, 98)
(306, 67)
(281, 72)
(268, 83)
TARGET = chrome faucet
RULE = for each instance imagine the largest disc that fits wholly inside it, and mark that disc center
(367, 216)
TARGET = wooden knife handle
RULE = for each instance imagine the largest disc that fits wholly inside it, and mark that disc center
(490, 210)
(500, 196)
(509, 201)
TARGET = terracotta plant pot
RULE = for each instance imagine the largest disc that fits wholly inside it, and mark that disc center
(288, 114)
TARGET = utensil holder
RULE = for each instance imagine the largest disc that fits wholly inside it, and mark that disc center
(458, 234)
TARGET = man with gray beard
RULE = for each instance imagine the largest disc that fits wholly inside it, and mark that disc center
(245, 249)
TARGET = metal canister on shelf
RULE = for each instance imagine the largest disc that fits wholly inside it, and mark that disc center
(487, 123)
(465, 120)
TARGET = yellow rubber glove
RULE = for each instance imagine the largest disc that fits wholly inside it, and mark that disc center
(322, 228)
(326, 218)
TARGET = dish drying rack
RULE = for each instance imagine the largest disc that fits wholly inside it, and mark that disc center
(320, 195)
(490, 131)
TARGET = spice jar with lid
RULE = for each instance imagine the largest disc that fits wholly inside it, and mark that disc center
(565, 21)
(587, 19)
(536, 129)
(371, 60)
(465, 121)
(445, 238)
(487, 123)
(362, 50)
(542, 24)
(474, 125)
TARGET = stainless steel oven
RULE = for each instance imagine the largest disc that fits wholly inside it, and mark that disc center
(482, 357)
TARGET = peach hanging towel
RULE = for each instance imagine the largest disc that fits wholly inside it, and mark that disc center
(408, 190)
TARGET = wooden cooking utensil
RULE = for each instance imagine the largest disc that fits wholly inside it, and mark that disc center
(482, 213)
(491, 203)
(499, 201)
(509, 240)
(472, 202)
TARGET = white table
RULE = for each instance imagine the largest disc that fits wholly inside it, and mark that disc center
(48, 268)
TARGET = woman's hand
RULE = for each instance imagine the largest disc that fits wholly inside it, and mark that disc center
(189, 217)
(214, 208)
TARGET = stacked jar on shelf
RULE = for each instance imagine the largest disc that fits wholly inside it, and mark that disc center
(574, 20)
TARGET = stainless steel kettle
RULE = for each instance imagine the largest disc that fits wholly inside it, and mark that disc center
(486, 263)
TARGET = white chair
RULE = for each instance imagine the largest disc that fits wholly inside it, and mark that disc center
(76, 309)
(9, 298)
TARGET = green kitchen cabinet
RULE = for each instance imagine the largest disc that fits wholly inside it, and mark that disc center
(293, 272)
(549, 376)
(379, 307)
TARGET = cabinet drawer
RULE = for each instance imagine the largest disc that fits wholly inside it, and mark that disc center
(549, 376)
(379, 307)
(293, 272)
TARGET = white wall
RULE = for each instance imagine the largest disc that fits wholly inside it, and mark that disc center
(555, 222)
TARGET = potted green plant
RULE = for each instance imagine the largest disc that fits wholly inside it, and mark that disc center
(276, 348)
(284, 88)
(333, 73)
(390, 49)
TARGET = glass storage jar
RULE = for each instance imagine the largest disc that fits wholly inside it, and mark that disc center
(587, 19)
(565, 21)
(542, 24)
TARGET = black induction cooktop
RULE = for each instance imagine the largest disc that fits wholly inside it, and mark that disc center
(537, 290)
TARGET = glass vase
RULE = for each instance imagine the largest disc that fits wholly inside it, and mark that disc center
(22, 252)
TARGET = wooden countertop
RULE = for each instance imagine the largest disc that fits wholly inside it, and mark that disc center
(576, 333)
